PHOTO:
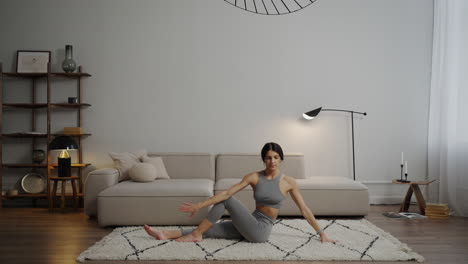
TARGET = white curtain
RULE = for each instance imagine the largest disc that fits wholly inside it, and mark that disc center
(448, 110)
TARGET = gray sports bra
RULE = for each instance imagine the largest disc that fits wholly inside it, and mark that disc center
(267, 192)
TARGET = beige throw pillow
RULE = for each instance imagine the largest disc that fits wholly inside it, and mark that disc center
(158, 163)
(142, 172)
(124, 161)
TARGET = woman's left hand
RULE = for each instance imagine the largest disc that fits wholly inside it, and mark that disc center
(325, 239)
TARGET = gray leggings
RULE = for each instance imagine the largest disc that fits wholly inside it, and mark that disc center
(255, 227)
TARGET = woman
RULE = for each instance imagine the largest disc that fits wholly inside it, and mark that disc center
(270, 188)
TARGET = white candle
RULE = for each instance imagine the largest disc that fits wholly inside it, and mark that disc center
(406, 167)
(402, 158)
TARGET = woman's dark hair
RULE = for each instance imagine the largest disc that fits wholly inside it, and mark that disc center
(272, 146)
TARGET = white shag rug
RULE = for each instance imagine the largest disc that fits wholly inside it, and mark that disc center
(291, 239)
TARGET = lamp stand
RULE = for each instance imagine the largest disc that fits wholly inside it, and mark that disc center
(352, 136)
(311, 114)
(352, 133)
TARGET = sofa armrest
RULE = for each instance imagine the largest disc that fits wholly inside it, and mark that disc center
(96, 182)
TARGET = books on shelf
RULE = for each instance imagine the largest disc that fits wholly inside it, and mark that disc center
(73, 130)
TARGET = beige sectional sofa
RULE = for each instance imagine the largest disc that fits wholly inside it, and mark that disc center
(195, 177)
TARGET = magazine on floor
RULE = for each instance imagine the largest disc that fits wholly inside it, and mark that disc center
(404, 215)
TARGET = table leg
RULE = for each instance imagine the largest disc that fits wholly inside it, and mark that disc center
(419, 198)
(62, 205)
(53, 195)
(75, 195)
(406, 202)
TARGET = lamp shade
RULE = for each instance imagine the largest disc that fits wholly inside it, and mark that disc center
(311, 114)
(63, 142)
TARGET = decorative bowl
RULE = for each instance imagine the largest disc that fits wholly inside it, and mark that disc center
(33, 183)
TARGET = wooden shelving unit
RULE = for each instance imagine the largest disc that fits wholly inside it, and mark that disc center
(45, 136)
(27, 106)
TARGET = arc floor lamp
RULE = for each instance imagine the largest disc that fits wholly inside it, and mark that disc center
(313, 113)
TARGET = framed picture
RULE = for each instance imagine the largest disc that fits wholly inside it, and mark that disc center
(32, 61)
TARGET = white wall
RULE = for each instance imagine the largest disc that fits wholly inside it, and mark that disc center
(204, 76)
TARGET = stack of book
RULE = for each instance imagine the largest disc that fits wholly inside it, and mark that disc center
(434, 210)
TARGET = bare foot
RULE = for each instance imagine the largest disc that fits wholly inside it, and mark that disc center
(159, 235)
(192, 237)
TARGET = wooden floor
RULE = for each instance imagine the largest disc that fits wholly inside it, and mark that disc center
(37, 236)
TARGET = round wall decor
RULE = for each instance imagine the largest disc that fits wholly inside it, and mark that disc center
(271, 7)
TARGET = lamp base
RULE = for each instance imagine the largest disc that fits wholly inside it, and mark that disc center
(64, 167)
(402, 181)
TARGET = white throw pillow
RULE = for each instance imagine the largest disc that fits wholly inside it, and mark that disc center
(142, 172)
(158, 163)
(124, 161)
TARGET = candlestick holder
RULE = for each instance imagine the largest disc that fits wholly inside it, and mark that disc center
(401, 175)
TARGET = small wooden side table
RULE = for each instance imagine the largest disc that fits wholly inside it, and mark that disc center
(62, 196)
(413, 187)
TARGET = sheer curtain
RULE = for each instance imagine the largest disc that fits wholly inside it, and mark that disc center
(448, 110)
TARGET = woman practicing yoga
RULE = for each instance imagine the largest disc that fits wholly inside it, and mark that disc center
(270, 188)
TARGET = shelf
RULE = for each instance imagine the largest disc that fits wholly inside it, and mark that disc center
(27, 106)
(72, 135)
(24, 135)
(69, 105)
(30, 165)
(35, 106)
(69, 195)
(25, 75)
(39, 195)
(64, 178)
(23, 165)
(76, 165)
(70, 75)
(27, 195)
(36, 75)
(21, 135)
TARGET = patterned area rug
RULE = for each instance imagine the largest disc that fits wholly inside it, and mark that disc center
(291, 239)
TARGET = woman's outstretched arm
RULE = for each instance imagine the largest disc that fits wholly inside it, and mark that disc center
(306, 212)
(219, 197)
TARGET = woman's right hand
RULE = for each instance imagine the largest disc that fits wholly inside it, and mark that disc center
(191, 208)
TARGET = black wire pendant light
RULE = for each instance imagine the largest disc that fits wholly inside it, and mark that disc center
(271, 7)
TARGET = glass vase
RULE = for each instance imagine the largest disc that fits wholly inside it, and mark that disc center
(68, 65)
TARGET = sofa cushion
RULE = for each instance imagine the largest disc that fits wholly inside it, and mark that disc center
(224, 184)
(237, 165)
(312, 183)
(188, 165)
(324, 195)
(124, 161)
(142, 172)
(156, 210)
(158, 163)
(329, 183)
(165, 187)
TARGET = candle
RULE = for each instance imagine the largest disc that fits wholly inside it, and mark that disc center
(402, 158)
(406, 167)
